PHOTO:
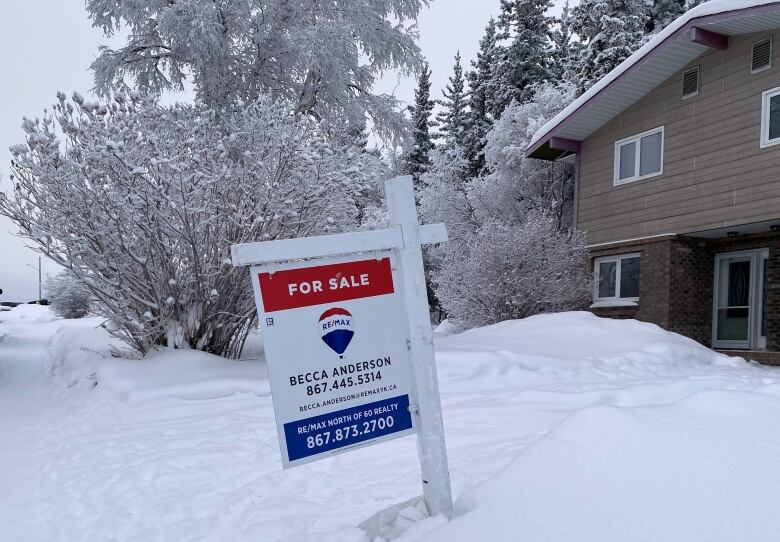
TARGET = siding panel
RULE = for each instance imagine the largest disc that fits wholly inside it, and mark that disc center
(715, 173)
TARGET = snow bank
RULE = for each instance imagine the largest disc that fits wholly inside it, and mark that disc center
(700, 469)
(568, 347)
(83, 354)
(183, 374)
(27, 313)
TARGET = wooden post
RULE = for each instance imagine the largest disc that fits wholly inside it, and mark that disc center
(431, 444)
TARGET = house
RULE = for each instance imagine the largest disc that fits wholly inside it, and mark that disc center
(677, 155)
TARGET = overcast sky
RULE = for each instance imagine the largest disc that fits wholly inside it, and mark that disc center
(48, 45)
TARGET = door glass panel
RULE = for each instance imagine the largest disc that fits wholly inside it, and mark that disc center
(650, 154)
(628, 160)
(733, 318)
(607, 274)
(733, 324)
(629, 277)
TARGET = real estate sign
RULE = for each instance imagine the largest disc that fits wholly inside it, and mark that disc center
(335, 339)
(347, 337)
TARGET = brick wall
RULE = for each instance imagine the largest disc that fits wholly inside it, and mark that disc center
(692, 265)
(676, 282)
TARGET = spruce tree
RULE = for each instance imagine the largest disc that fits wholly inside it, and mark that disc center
(526, 61)
(481, 80)
(662, 12)
(452, 119)
(611, 31)
(566, 50)
(418, 157)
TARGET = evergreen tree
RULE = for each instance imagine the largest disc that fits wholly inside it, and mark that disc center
(453, 119)
(566, 50)
(662, 12)
(481, 80)
(418, 157)
(611, 31)
(525, 61)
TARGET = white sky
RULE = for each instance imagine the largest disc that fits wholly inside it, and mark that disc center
(48, 45)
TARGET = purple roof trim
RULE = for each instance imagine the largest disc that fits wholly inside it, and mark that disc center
(562, 144)
(705, 19)
(709, 38)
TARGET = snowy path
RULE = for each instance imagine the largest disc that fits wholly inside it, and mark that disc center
(104, 464)
(23, 363)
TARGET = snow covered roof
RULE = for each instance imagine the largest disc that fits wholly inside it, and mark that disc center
(664, 55)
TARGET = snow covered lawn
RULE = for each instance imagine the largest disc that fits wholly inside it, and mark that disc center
(562, 428)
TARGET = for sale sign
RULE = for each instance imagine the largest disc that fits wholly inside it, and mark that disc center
(336, 341)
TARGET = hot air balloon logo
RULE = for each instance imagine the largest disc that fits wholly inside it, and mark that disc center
(336, 329)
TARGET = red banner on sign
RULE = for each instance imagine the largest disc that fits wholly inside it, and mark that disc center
(307, 286)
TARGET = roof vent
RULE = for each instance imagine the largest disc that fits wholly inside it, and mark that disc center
(690, 85)
(762, 55)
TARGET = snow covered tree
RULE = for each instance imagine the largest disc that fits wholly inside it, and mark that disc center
(446, 194)
(481, 91)
(509, 271)
(453, 118)
(68, 297)
(141, 204)
(322, 58)
(566, 50)
(662, 12)
(611, 31)
(526, 60)
(512, 241)
(418, 156)
(518, 185)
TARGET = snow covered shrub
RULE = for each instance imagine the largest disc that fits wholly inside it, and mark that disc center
(512, 271)
(68, 297)
(141, 203)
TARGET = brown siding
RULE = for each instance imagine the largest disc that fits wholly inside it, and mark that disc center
(715, 173)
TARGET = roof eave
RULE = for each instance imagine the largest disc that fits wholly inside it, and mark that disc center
(541, 148)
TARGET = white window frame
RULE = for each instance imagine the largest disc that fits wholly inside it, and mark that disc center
(615, 300)
(771, 41)
(766, 97)
(638, 140)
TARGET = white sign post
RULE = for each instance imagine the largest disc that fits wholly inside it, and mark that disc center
(347, 336)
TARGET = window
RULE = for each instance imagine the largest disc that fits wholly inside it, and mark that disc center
(761, 58)
(770, 118)
(617, 278)
(639, 157)
(690, 84)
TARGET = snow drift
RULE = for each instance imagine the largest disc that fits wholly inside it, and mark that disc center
(559, 427)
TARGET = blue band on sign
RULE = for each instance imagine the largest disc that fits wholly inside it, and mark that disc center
(347, 427)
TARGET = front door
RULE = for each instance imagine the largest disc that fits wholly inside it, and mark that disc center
(739, 312)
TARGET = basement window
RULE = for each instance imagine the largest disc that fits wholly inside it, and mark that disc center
(616, 280)
(761, 58)
(690, 83)
(639, 157)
